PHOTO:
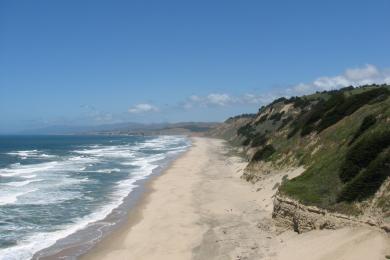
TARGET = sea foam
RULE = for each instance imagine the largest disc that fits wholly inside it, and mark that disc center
(73, 177)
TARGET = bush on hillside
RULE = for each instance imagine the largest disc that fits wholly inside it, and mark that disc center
(368, 181)
(240, 116)
(367, 122)
(300, 102)
(350, 105)
(276, 116)
(328, 113)
(361, 154)
(258, 140)
(293, 132)
(281, 99)
(246, 142)
(246, 130)
(262, 119)
(319, 110)
(263, 153)
(285, 121)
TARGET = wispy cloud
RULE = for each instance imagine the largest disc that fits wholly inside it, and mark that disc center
(369, 74)
(142, 108)
(213, 99)
(224, 99)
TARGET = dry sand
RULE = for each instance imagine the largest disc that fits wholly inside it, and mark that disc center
(200, 209)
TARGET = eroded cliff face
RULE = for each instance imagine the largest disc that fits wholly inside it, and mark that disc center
(327, 133)
(290, 214)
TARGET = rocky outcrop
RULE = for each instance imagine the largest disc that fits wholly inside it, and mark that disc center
(290, 214)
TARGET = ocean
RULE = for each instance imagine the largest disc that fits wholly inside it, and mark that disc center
(54, 187)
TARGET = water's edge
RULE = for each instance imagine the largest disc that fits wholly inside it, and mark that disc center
(82, 241)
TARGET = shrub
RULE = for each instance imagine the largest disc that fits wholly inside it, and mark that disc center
(281, 99)
(262, 119)
(240, 116)
(361, 154)
(276, 116)
(293, 132)
(285, 121)
(246, 130)
(258, 140)
(319, 110)
(368, 181)
(301, 102)
(328, 113)
(246, 142)
(350, 105)
(263, 153)
(367, 122)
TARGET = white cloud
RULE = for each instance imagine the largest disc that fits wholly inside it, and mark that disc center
(142, 108)
(369, 74)
(213, 99)
(223, 100)
(219, 99)
(256, 99)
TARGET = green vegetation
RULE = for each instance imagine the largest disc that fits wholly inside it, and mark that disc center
(319, 184)
(278, 100)
(368, 181)
(285, 122)
(246, 130)
(342, 137)
(328, 112)
(299, 102)
(360, 155)
(276, 116)
(262, 119)
(368, 121)
(258, 140)
(246, 142)
(240, 116)
(347, 106)
(264, 153)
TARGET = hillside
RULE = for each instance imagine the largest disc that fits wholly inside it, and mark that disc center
(340, 137)
(130, 128)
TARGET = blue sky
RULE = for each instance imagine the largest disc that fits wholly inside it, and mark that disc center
(96, 62)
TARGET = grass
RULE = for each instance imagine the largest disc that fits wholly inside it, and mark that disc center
(320, 184)
(338, 123)
(368, 121)
(368, 181)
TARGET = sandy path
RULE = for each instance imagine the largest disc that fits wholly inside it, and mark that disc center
(200, 209)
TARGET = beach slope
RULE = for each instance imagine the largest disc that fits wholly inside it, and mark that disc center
(199, 208)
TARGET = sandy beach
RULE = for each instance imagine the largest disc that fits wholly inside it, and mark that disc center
(199, 208)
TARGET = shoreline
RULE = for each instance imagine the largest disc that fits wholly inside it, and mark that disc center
(134, 215)
(158, 230)
(81, 242)
(199, 208)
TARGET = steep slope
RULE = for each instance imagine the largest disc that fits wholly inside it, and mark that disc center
(341, 137)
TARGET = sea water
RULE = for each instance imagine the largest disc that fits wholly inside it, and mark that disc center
(54, 186)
